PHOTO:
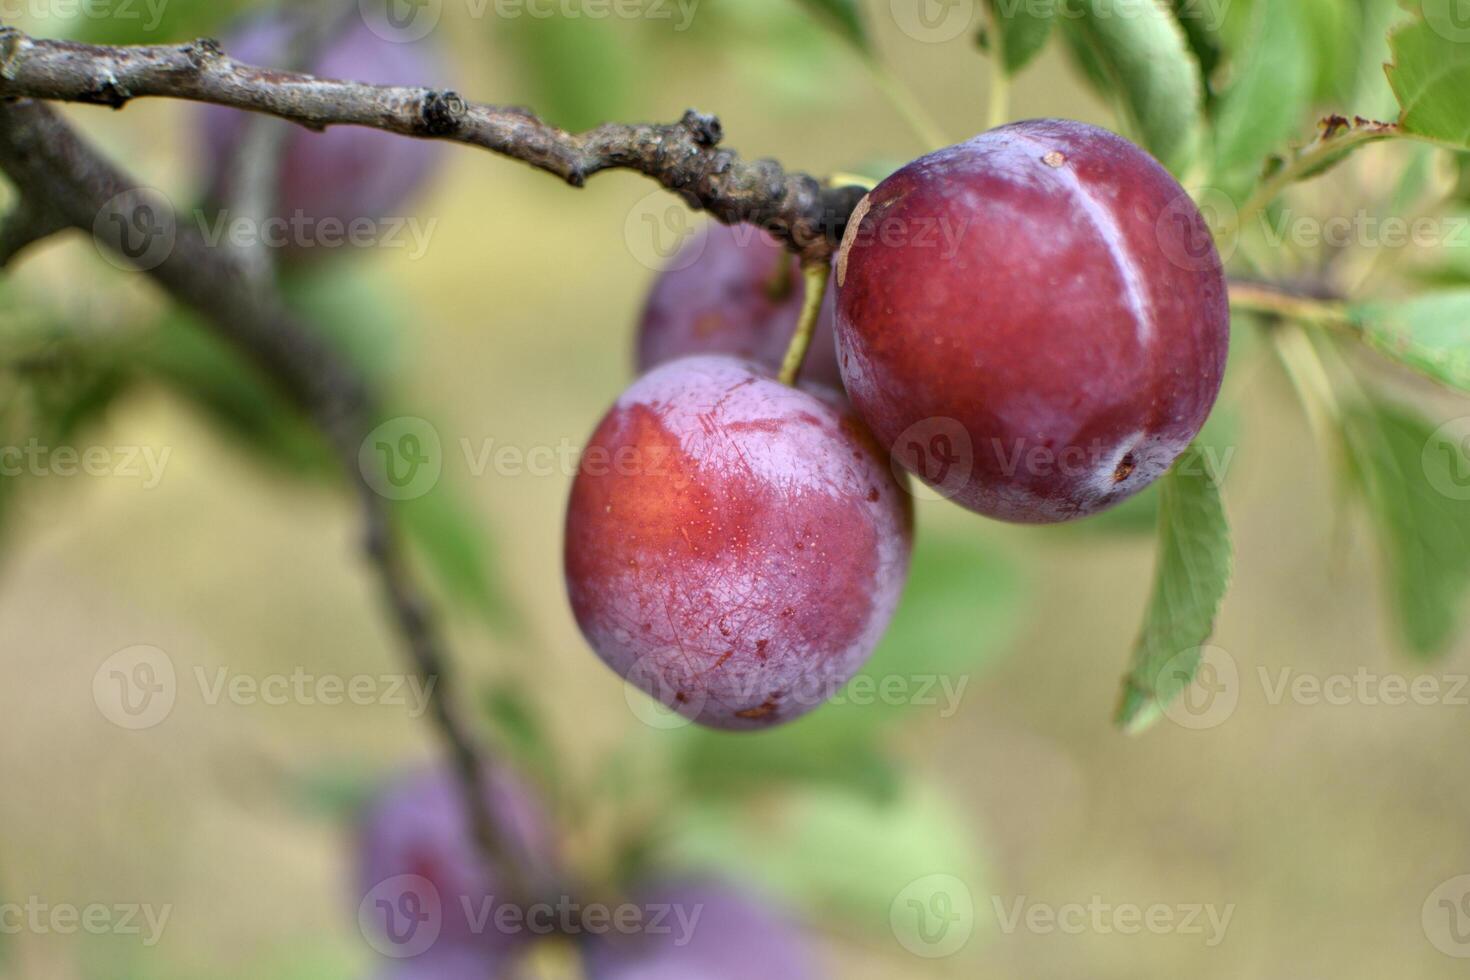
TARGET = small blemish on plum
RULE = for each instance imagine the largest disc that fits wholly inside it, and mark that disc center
(788, 612)
(858, 214)
(873, 495)
(760, 648)
(681, 697)
(724, 626)
(760, 711)
(1125, 469)
(1054, 159)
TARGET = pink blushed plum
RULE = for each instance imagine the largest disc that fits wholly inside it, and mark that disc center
(734, 546)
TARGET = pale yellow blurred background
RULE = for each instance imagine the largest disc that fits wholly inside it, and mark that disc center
(1322, 829)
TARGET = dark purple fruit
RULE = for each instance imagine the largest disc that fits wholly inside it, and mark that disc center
(733, 290)
(1035, 322)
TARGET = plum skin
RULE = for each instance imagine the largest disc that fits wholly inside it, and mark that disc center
(1067, 331)
(417, 825)
(734, 546)
(346, 173)
(715, 298)
(732, 934)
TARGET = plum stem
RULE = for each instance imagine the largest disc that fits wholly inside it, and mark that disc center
(814, 276)
(779, 286)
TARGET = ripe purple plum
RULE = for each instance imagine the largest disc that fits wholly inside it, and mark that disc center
(713, 931)
(1035, 322)
(734, 546)
(346, 174)
(451, 962)
(416, 855)
(733, 290)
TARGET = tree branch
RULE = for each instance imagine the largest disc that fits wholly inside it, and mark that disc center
(24, 226)
(684, 157)
(61, 176)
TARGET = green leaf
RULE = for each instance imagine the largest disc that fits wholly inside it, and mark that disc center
(152, 22)
(830, 853)
(817, 750)
(962, 609)
(454, 542)
(1429, 333)
(522, 737)
(337, 790)
(558, 55)
(1022, 27)
(1271, 91)
(1416, 481)
(1192, 574)
(846, 18)
(1334, 30)
(1141, 51)
(1201, 24)
(1371, 94)
(350, 308)
(1430, 73)
(232, 394)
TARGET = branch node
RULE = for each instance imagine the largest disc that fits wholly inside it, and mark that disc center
(11, 41)
(705, 128)
(109, 93)
(442, 112)
(204, 50)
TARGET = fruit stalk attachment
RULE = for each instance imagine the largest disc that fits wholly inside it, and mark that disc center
(814, 275)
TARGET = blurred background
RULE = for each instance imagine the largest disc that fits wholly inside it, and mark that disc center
(1282, 834)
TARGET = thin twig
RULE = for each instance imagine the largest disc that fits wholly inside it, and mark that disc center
(1278, 301)
(57, 171)
(684, 157)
